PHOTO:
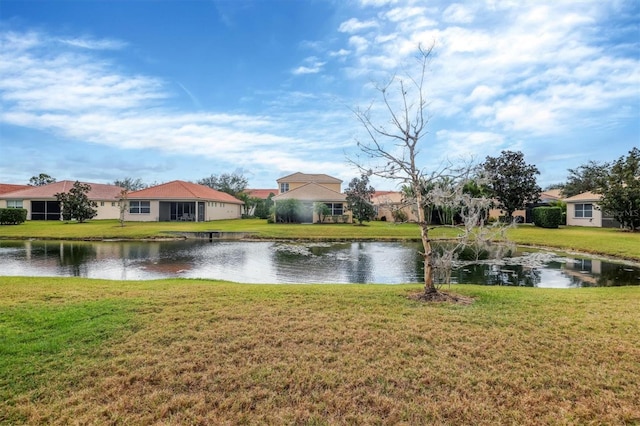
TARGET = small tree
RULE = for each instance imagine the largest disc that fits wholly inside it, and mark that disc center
(322, 210)
(76, 204)
(359, 194)
(288, 211)
(41, 179)
(620, 191)
(512, 181)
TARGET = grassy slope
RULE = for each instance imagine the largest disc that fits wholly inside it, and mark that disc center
(186, 352)
(610, 242)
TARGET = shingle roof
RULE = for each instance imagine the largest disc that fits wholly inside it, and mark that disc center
(312, 192)
(8, 187)
(182, 190)
(98, 191)
(585, 196)
(306, 177)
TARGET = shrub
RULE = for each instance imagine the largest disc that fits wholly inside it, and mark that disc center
(12, 216)
(547, 217)
(399, 215)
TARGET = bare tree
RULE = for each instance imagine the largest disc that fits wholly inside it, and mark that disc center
(394, 147)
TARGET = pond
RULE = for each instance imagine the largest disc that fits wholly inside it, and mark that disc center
(286, 262)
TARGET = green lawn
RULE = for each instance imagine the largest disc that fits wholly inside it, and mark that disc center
(83, 351)
(611, 242)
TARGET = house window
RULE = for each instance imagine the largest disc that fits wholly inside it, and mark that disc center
(139, 207)
(101, 203)
(335, 208)
(14, 204)
(284, 187)
(584, 210)
(113, 204)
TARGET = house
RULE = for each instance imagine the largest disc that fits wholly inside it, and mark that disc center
(181, 201)
(582, 210)
(387, 205)
(310, 189)
(41, 203)
(526, 215)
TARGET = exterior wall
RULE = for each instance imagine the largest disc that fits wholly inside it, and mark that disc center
(215, 210)
(152, 216)
(107, 209)
(572, 220)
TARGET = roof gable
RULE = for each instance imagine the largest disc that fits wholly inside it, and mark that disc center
(312, 192)
(98, 191)
(182, 190)
(308, 178)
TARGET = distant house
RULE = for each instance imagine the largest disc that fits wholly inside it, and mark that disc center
(181, 201)
(582, 210)
(41, 203)
(263, 194)
(546, 197)
(314, 188)
(388, 203)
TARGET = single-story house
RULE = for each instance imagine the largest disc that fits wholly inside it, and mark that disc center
(41, 203)
(582, 210)
(546, 197)
(314, 188)
(387, 203)
(181, 201)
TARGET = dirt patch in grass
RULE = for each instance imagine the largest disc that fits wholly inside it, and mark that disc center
(442, 297)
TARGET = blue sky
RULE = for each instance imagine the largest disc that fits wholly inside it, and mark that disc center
(164, 90)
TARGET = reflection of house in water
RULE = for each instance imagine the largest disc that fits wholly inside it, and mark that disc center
(581, 271)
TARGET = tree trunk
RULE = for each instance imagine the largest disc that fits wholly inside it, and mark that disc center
(429, 286)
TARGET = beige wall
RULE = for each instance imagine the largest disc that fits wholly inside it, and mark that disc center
(107, 210)
(595, 220)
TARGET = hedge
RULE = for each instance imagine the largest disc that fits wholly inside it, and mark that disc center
(547, 217)
(12, 216)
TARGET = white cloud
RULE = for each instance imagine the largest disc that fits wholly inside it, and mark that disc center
(354, 25)
(312, 66)
(457, 13)
(94, 44)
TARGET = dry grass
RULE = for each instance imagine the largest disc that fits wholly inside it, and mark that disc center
(201, 352)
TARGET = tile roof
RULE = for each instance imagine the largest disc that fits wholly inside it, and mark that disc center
(261, 193)
(306, 177)
(312, 192)
(98, 191)
(8, 187)
(585, 196)
(181, 190)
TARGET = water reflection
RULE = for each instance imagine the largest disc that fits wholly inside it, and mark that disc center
(281, 262)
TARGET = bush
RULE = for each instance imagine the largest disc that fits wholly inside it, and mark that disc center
(12, 216)
(547, 217)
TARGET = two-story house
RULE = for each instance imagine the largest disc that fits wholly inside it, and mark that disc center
(310, 189)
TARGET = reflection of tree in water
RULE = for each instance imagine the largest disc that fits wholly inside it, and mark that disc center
(361, 264)
(618, 275)
(76, 256)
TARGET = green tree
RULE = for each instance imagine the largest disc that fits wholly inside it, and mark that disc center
(585, 178)
(231, 183)
(359, 194)
(620, 190)
(41, 179)
(130, 184)
(263, 207)
(512, 181)
(322, 210)
(76, 205)
(288, 211)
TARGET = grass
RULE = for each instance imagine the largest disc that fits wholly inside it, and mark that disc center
(75, 350)
(603, 241)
